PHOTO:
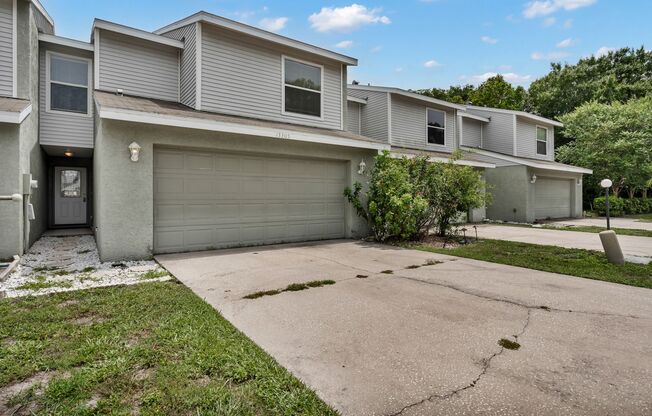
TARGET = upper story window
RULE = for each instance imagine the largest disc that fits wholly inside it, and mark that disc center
(302, 88)
(436, 127)
(542, 140)
(67, 84)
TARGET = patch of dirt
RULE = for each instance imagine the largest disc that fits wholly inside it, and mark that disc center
(88, 320)
(39, 379)
(92, 402)
(8, 342)
(67, 303)
(441, 242)
(143, 374)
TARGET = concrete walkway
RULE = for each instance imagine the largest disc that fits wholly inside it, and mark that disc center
(620, 222)
(413, 333)
(632, 246)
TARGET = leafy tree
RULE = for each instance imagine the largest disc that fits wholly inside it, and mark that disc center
(494, 92)
(616, 77)
(615, 141)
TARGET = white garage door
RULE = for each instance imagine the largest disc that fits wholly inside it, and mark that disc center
(552, 198)
(206, 200)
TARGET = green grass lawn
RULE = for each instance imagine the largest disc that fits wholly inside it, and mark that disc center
(596, 229)
(574, 262)
(150, 349)
(645, 217)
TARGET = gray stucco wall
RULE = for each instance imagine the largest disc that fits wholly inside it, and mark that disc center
(124, 190)
(510, 189)
(11, 236)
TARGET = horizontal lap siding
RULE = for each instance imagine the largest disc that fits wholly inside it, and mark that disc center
(353, 117)
(138, 67)
(6, 48)
(409, 125)
(526, 139)
(472, 133)
(374, 115)
(60, 129)
(187, 34)
(242, 77)
(498, 134)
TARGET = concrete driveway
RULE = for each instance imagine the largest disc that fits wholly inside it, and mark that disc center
(618, 222)
(631, 245)
(423, 340)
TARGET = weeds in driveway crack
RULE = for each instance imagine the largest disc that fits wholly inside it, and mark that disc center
(293, 287)
(387, 272)
(509, 344)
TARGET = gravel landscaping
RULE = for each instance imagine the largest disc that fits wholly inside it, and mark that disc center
(60, 264)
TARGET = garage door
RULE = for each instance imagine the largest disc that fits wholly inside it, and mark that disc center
(552, 198)
(205, 200)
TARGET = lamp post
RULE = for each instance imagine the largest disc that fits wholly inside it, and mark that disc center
(606, 184)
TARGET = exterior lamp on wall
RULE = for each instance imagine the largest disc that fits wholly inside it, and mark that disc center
(134, 151)
(533, 179)
(363, 167)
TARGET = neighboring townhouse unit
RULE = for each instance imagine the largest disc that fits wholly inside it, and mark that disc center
(513, 150)
(527, 184)
(205, 134)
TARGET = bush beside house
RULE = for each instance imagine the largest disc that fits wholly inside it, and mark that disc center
(621, 206)
(408, 197)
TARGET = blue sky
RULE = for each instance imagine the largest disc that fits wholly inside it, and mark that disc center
(409, 43)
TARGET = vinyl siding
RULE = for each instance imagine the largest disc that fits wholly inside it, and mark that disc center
(138, 67)
(6, 48)
(353, 117)
(409, 125)
(498, 134)
(472, 132)
(242, 76)
(188, 87)
(60, 129)
(374, 115)
(526, 139)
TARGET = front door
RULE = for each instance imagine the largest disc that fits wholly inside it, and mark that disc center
(70, 196)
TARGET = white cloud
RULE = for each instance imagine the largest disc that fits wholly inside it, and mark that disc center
(346, 19)
(510, 77)
(549, 21)
(376, 49)
(550, 56)
(489, 40)
(431, 64)
(568, 23)
(345, 44)
(603, 51)
(545, 7)
(566, 43)
(273, 24)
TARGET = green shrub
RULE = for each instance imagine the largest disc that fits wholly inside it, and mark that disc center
(407, 197)
(616, 205)
(634, 206)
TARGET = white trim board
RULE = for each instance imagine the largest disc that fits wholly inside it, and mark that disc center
(136, 33)
(257, 33)
(12, 117)
(356, 99)
(473, 116)
(198, 65)
(14, 48)
(529, 162)
(71, 43)
(225, 127)
(461, 162)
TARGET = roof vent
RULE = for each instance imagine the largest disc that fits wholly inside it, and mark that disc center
(355, 82)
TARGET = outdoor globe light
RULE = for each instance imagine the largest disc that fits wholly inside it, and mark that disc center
(363, 167)
(134, 151)
(533, 179)
(606, 183)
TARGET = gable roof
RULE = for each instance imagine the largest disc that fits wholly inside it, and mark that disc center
(467, 158)
(136, 33)
(229, 24)
(524, 114)
(166, 113)
(404, 93)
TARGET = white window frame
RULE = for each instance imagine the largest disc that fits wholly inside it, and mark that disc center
(429, 127)
(283, 85)
(89, 112)
(537, 139)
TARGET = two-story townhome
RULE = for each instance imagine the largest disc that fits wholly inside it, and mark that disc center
(513, 150)
(207, 133)
(527, 184)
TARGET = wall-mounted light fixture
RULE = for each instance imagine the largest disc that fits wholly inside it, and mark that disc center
(533, 179)
(134, 151)
(363, 167)
(579, 181)
(68, 153)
